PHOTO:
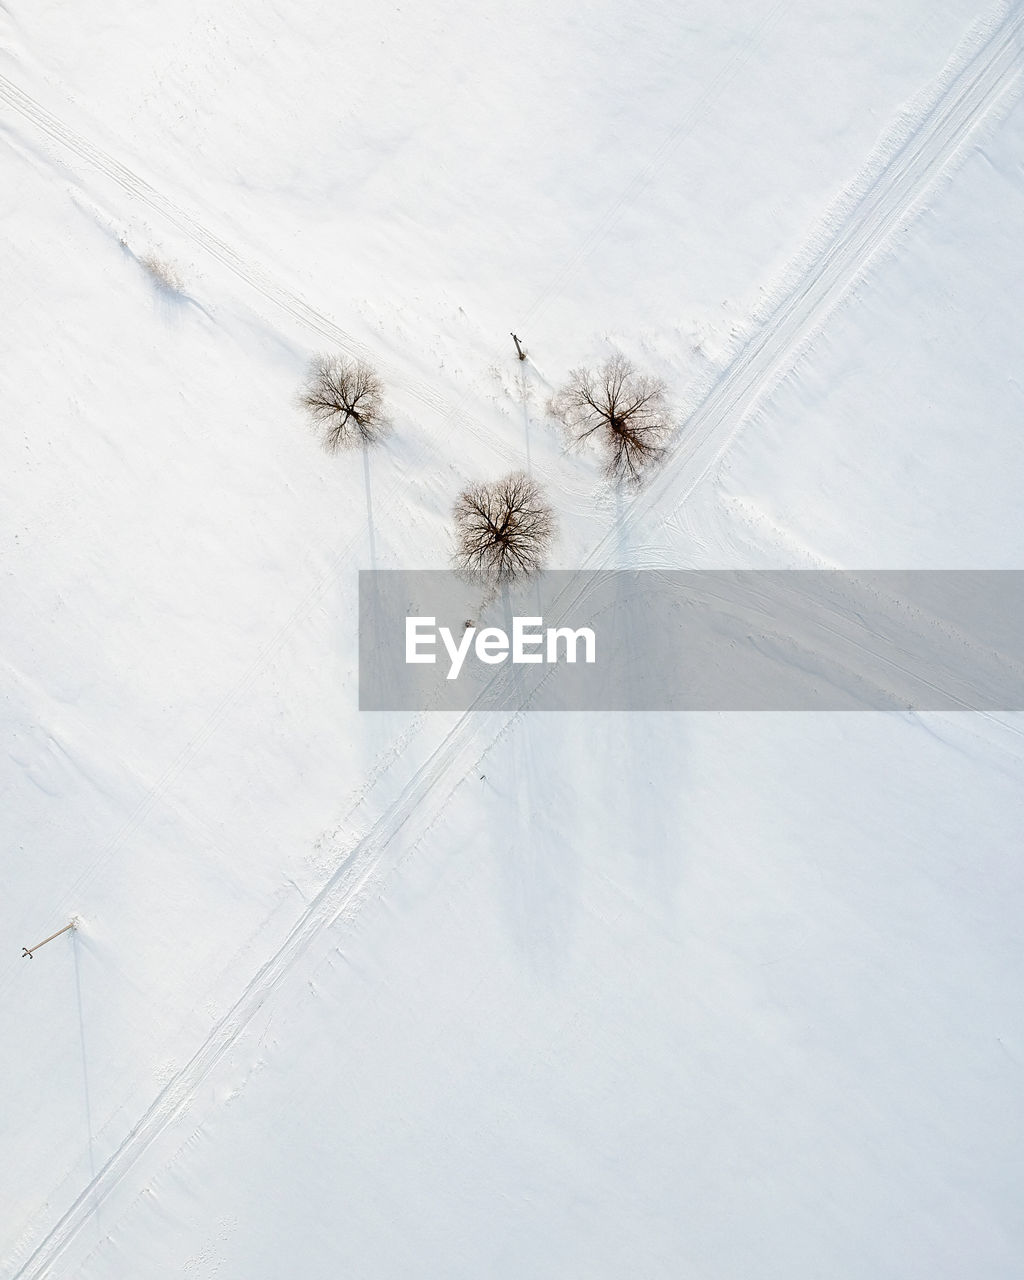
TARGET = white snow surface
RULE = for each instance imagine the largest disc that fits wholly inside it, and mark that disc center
(709, 996)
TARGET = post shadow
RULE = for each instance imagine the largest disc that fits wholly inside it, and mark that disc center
(524, 395)
(75, 945)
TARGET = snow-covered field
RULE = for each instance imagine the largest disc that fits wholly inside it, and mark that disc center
(705, 996)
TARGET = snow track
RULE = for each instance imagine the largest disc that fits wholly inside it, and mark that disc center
(251, 274)
(927, 146)
(889, 190)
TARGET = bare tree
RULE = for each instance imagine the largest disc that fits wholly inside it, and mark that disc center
(627, 410)
(503, 529)
(345, 399)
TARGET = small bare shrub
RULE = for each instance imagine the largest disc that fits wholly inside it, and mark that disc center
(165, 275)
(625, 409)
(503, 529)
(345, 399)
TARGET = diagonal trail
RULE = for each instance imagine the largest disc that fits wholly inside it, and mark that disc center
(454, 418)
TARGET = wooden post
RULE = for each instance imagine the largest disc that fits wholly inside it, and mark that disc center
(519, 350)
(27, 951)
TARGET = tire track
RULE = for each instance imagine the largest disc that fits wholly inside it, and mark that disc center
(893, 193)
(888, 194)
(262, 283)
(452, 418)
(896, 188)
(345, 887)
(254, 276)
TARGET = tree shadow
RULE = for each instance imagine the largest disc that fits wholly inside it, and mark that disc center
(368, 487)
(539, 859)
(643, 790)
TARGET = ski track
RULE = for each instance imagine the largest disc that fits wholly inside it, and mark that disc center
(254, 276)
(894, 189)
